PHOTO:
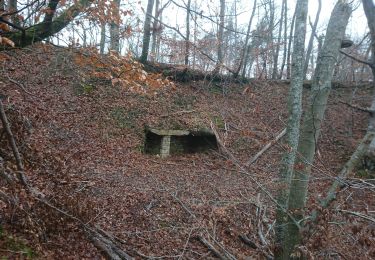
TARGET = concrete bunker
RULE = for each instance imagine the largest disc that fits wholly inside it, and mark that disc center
(166, 142)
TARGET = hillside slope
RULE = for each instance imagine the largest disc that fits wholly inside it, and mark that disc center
(82, 139)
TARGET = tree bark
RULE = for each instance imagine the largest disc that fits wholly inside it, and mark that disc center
(115, 28)
(288, 65)
(147, 32)
(102, 37)
(220, 35)
(369, 8)
(292, 128)
(187, 40)
(285, 38)
(155, 31)
(313, 119)
(311, 41)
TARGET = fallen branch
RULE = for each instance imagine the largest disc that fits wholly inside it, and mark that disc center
(266, 147)
(186, 208)
(348, 168)
(12, 142)
(108, 246)
(216, 252)
(19, 84)
(357, 214)
(178, 113)
(247, 241)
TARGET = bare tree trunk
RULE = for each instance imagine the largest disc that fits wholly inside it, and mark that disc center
(220, 35)
(195, 36)
(285, 38)
(292, 128)
(147, 31)
(155, 31)
(313, 119)
(369, 8)
(102, 37)
(276, 54)
(311, 41)
(245, 51)
(187, 40)
(364, 66)
(270, 41)
(288, 65)
(115, 28)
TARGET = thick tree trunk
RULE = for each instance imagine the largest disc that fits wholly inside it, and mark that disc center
(115, 28)
(369, 8)
(313, 119)
(311, 41)
(292, 129)
(40, 32)
(220, 36)
(147, 32)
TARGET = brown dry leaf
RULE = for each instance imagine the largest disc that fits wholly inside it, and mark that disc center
(6, 41)
(4, 27)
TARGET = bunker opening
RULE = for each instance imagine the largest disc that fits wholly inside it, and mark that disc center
(167, 142)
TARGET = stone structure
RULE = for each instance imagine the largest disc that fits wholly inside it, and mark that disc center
(165, 141)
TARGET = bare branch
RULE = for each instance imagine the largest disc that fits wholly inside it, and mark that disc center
(357, 59)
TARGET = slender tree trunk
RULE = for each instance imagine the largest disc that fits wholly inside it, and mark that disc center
(155, 31)
(364, 66)
(158, 38)
(147, 31)
(288, 65)
(293, 127)
(311, 41)
(84, 38)
(220, 35)
(285, 38)
(245, 51)
(187, 40)
(313, 118)
(195, 36)
(270, 41)
(276, 54)
(102, 37)
(115, 28)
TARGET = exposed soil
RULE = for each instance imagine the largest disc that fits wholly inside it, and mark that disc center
(84, 149)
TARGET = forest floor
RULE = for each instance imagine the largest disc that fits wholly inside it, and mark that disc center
(83, 147)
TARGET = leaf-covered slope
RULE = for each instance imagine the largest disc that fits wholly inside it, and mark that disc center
(82, 135)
